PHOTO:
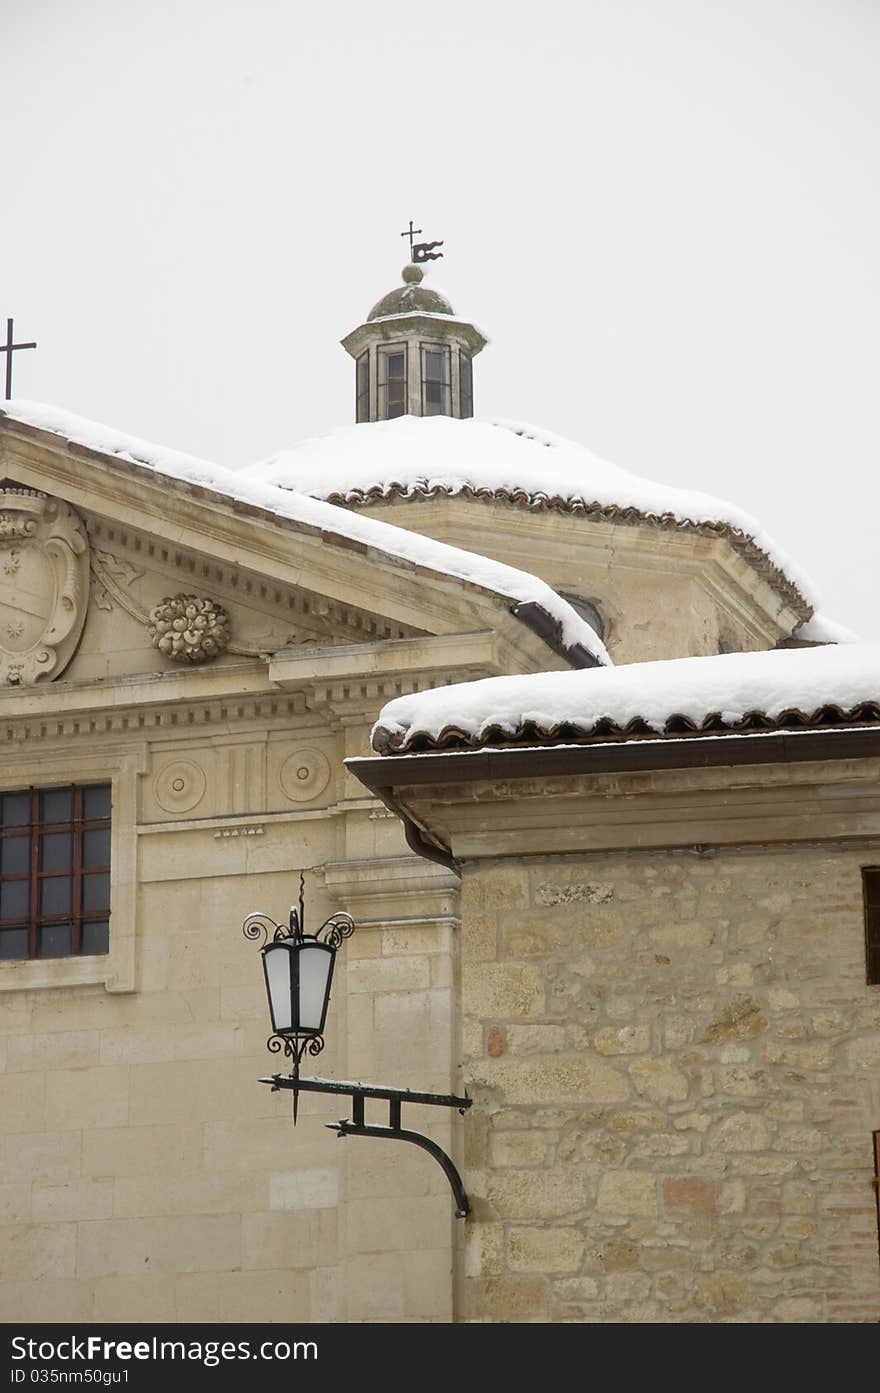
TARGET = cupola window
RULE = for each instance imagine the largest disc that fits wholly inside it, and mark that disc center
(435, 382)
(392, 382)
(363, 387)
(465, 384)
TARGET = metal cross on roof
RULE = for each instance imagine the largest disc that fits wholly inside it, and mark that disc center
(411, 233)
(9, 348)
(421, 251)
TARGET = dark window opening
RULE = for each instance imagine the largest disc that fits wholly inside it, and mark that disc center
(55, 872)
(871, 891)
(465, 384)
(587, 610)
(392, 383)
(435, 382)
(362, 412)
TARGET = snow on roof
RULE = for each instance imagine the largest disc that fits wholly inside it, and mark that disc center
(821, 629)
(415, 457)
(734, 691)
(246, 487)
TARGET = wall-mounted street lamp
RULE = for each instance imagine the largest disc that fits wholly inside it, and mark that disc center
(298, 969)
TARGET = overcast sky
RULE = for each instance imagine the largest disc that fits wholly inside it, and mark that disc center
(664, 213)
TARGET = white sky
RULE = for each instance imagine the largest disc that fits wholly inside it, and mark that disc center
(666, 216)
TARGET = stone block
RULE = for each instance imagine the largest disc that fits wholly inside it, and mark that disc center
(742, 1131)
(517, 1149)
(682, 935)
(544, 1250)
(625, 1039)
(42, 1156)
(534, 934)
(286, 1239)
(557, 1079)
(23, 1102)
(503, 990)
(627, 1192)
(658, 1080)
(689, 1194)
(60, 1300)
(550, 1193)
(141, 1246)
(153, 1297)
(230, 1298)
(82, 1199)
(59, 1049)
(722, 1293)
(503, 1299)
(389, 975)
(385, 1225)
(304, 1189)
(37, 1252)
(87, 1098)
(483, 1249)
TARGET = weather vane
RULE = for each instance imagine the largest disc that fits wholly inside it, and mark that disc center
(421, 251)
(9, 348)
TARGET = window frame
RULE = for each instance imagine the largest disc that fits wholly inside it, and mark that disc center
(443, 350)
(871, 904)
(115, 970)
(36, 877)
(362, 392)
(383, 353)
(465, 397)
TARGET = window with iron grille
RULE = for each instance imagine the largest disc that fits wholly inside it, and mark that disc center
(871, 888)
(55, 872)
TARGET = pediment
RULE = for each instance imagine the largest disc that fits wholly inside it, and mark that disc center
(142, 585)
(258, 572)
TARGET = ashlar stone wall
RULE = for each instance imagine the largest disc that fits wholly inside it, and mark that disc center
(674, 1059)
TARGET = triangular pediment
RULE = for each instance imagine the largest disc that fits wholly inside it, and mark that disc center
(256, 580)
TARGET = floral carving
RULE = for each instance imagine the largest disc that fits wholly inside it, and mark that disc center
(189, 628)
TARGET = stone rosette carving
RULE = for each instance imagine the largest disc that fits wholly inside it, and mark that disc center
(179, 787)
(189, 628)
(44, 585)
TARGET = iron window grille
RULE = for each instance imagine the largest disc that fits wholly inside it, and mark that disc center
(55, 872)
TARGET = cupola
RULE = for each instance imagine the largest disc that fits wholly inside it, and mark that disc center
(413, 355)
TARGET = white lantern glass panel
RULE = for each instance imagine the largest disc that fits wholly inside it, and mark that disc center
(315, 966)
(278, 963)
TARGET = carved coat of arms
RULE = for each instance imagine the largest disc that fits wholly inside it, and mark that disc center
(44, 585)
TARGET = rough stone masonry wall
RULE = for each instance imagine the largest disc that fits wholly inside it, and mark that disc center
(674, 1060)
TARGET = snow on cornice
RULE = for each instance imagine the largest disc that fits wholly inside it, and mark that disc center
(533, 600)
(415, 458)
(795, 689)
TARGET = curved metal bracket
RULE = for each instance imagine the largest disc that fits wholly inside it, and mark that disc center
(395, 1098)
(343, 1128)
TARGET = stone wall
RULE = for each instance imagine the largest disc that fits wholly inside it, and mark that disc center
(674, 1058)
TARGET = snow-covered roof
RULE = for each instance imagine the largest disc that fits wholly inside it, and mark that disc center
(559, 623)
(743, 692)
(415, 458)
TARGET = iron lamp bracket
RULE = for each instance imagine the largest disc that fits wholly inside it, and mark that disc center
(356, 1126)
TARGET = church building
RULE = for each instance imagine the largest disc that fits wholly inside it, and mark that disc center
(598, 787)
